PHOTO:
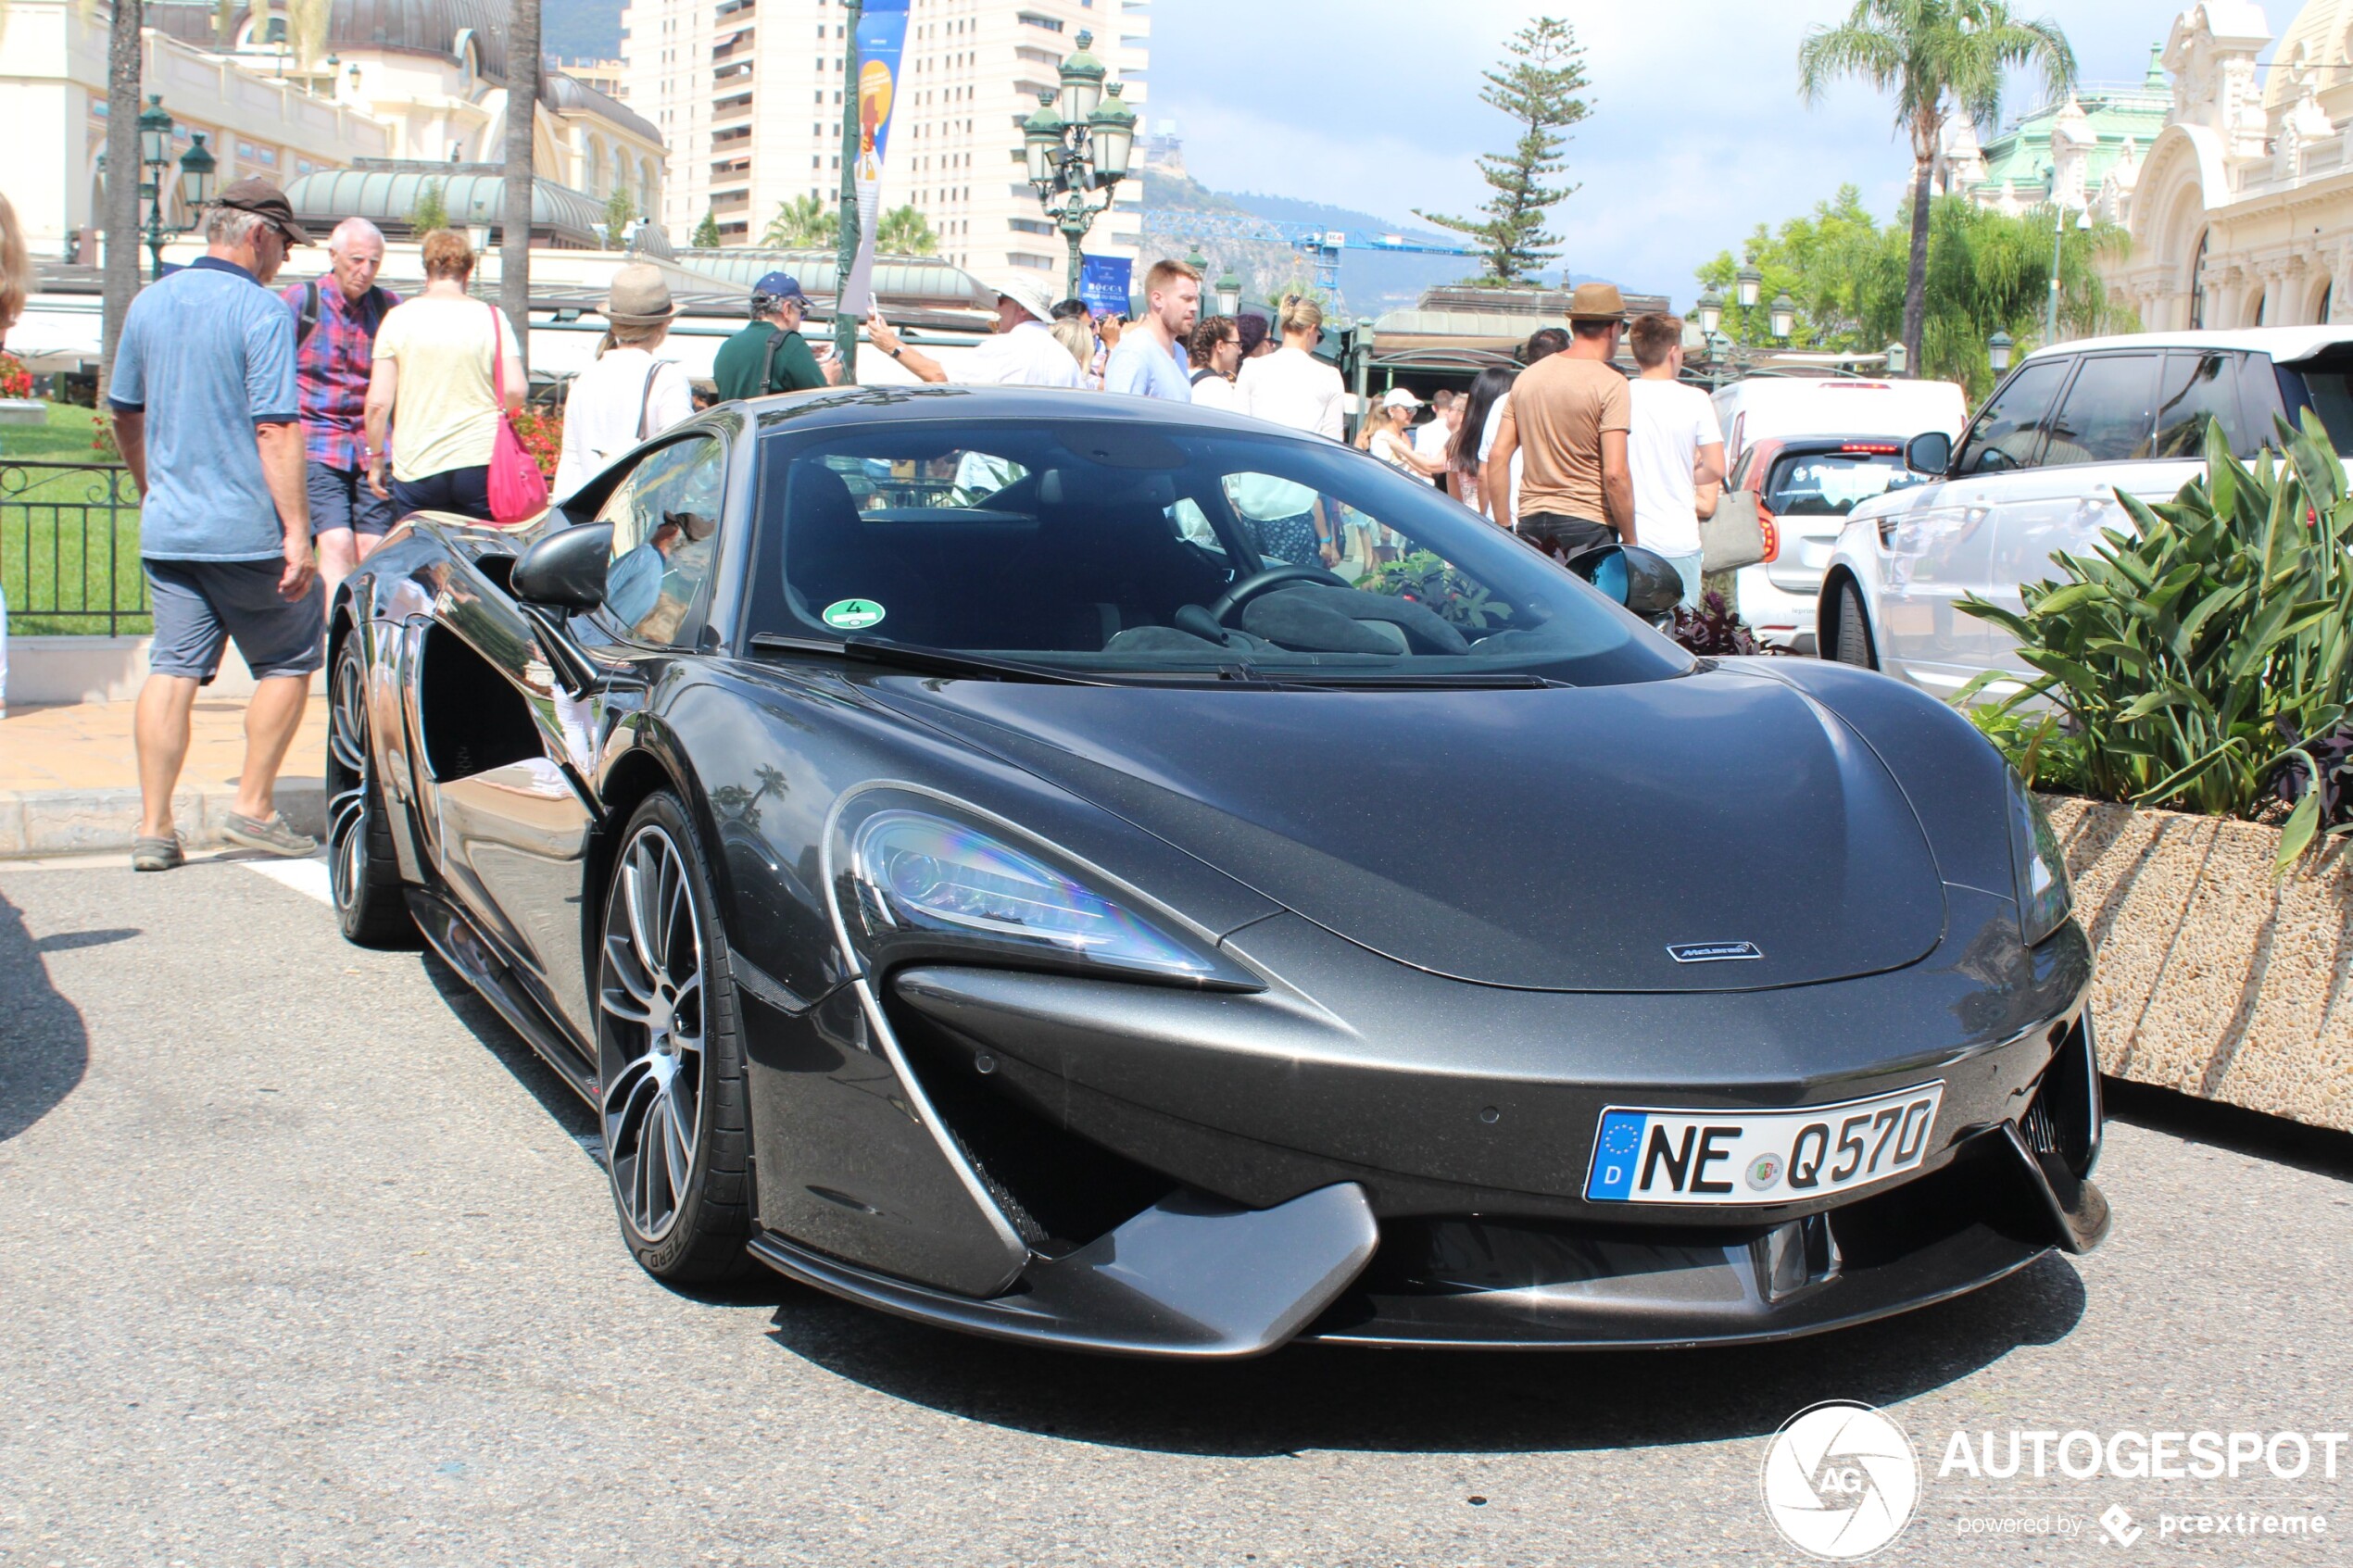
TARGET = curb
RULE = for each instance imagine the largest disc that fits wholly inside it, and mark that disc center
(95, 821)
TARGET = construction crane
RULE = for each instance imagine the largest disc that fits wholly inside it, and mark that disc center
(1319, 244)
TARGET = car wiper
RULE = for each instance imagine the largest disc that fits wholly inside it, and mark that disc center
(1468, 680)
(919, 660)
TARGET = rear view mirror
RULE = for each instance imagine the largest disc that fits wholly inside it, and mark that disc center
(1929, 453)
(566, 570)
(1638, 579)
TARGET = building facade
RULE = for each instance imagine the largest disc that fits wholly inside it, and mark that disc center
(2242, 212)
(748, 95)
(410, 79)
(2071, 146)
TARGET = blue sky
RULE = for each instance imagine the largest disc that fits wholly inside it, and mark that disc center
(1696, 134)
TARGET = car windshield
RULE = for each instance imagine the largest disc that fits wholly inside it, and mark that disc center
(1835, 484)
(1127, 550)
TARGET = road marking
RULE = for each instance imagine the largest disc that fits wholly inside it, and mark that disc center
(303, 876)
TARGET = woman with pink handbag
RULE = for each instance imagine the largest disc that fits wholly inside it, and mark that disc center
(449, 376)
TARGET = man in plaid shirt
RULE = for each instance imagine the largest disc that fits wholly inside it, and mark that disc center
(335, 339)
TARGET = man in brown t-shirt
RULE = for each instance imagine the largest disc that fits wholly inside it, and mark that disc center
(1568, 415)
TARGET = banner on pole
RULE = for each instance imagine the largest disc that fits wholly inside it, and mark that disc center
(882, 35)
(1104, 282)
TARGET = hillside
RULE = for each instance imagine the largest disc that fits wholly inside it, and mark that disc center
(581, 30)
(1369, 282)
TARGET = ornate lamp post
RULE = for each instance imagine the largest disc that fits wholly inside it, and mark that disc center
(1711, 314)
(1784, 316)
(155, 152)
(1751, 284)
(1228, 289)
(1997, 352)
(1077, 145)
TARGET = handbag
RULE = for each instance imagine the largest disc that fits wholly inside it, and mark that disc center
(517, 490)
(1734, 537)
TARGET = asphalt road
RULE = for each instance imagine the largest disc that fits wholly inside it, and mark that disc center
(305, 1261)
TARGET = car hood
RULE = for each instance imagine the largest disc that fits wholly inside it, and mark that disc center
(1562, 839)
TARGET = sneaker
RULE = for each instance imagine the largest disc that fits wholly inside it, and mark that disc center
(275, 836)
(157, 854)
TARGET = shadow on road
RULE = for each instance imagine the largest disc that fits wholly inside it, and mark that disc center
(555, 1096)
(1317, 1396)
(43, 1047)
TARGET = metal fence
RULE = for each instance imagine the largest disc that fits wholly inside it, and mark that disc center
(70, 548)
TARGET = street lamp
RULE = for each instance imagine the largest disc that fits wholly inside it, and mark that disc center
(1228, 290)
(1711, 313)
(196, 176)
(1751, 284)
(1898, 359)
(1076, 146)
(1997, 351)
(1784, 316)
(155, 151)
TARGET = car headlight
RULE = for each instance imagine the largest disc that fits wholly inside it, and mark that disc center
(2044, 896)
(933, 874)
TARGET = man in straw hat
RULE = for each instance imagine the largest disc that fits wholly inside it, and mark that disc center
(210, 423)
(1568, 416)
(632, 392)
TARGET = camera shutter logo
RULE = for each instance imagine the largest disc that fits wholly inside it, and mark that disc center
(1840, 1480)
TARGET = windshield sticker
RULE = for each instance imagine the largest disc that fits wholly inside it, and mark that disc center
(853, 615)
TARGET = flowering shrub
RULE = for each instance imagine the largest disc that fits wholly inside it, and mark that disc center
(15, 379)
(102, 441)
(541, 431)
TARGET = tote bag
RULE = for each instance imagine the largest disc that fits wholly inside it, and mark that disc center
(517, 490)
(1733, 537)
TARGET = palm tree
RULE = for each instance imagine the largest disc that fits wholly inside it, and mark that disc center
(523, 116)
(904, 231)
(803, 224)
(1940, 58)
(124, 60)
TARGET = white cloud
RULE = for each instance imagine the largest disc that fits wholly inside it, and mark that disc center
(1696, 136)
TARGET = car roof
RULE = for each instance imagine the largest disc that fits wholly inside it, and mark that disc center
(861, 406)
(2285, 345)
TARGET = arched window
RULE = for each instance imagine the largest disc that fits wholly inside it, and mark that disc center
(2328, 303)
(2197, 285)
(593, 178)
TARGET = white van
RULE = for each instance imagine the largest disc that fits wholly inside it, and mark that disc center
(2038, 475)
(1811, 448)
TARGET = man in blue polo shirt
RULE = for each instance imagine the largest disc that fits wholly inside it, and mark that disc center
(206, 416)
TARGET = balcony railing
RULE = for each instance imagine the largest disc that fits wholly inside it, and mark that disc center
(69, 549)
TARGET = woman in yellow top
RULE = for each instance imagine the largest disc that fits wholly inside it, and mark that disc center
(433, 412)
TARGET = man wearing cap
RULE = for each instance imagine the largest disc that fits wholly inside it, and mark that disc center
(335, 323)
(1022, 353)
(1568, 416)
(771, 355)
(210, 423)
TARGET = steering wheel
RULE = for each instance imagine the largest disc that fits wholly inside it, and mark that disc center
(1258, 582)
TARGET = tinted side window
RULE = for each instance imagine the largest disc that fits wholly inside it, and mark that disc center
(665, 518)
(2266, 395)
(2004, 435)
(2198, 387)
(2108, 412)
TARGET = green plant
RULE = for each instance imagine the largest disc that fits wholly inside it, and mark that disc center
(621, 208)
(1430, 582)
(1536, 84)
(2046, 753)
(1939, 58)
(706, 233)
(431, 211)
(2185, 651)
(904, 231)
(803, 223)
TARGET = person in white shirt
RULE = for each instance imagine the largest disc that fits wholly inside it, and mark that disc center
(631, 392)
(1290, 386)
(1435, 434)
(1474, 436)
(1387, 437)
(1216, 349)
(1498, 493)
(1022, 352)
(1673, 446)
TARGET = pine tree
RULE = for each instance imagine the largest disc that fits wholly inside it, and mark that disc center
(621, 208)
(706, 233)
(1536, 84)
(430, 212)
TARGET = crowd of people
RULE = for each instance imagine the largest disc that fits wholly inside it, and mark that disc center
(275, 438)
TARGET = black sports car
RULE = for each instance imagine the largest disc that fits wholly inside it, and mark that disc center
(1082, 871)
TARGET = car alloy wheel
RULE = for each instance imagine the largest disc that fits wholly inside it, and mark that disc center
(363, 872)
(654, 1001)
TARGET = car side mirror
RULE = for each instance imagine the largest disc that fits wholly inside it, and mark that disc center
(566, 570)
(1930, 453)
(1638, 579)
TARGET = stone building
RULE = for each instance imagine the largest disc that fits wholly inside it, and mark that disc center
(2241, 213)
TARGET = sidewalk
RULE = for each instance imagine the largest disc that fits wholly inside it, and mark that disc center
(69, 778)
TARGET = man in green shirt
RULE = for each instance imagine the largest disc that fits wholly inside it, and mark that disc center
(771, 355)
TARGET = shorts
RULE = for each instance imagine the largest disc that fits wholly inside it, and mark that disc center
(200, 604)
(1562, 536)
(463, 491)
(341, 498)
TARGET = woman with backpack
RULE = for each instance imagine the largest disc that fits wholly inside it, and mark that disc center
(630, 392)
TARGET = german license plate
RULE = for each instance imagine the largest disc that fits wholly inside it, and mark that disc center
(1714, 1157)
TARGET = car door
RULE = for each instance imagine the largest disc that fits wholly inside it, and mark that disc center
(1941, 548)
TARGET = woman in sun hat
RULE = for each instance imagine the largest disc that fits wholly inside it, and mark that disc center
(631, 392)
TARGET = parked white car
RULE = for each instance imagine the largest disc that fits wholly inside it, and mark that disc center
(1810, 450)
(2038, 473)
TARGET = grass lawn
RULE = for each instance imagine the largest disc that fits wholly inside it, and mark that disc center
(55, 555)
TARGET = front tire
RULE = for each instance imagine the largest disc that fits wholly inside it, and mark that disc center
(1851, 629)
(363, 869)
(670, 1057)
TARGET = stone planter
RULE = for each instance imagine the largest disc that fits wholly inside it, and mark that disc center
(2217, 977)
